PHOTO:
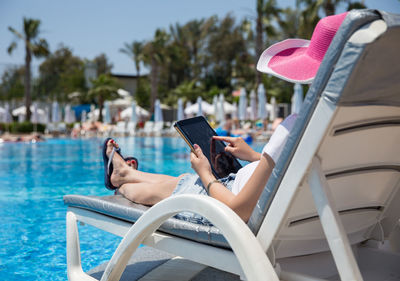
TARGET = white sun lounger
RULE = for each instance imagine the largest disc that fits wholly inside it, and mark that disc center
(332, 199)
(131, 128)
(120, 129)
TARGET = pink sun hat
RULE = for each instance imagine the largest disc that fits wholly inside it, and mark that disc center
(297, 60)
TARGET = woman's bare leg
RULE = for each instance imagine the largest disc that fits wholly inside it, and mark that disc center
(149, 193)
(123, 174)
(135, 176)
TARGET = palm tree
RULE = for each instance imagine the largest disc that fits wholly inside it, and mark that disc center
(289, 23)
(187, 49)
(259, 35)
(35, 46)
(329, 6)
(134, 51)
(104, 88)
(267, 13)
(180, 66)
(310, 12)
(154, 55)
(196, 31)
(309, 16)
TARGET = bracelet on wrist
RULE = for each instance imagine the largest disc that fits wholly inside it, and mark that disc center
(209, 185)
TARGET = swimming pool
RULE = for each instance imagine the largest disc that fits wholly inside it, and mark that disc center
(33, 180)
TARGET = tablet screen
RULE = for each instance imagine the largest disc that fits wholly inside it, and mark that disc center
(197, 131)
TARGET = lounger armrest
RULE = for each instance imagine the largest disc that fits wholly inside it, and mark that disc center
(254, 261)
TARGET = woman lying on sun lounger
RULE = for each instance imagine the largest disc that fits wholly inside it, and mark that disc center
(294, 60)
(240, 191)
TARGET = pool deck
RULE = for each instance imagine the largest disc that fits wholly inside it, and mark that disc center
(148, 264)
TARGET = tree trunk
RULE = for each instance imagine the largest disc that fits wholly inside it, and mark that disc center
(153, 83)
(196, 74)
(101, 104)
(28, 58)
(138, 77)
(259, 37)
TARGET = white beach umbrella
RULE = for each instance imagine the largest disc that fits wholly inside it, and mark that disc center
(141, 112)
(274, 109)
(69, 116)
(92, 114)
(126, 114)
(2, 114)
(133, 118)
(83, 116)
(123, 93)
(121, 103)
(21, 112)
(253, 105)
(297, 98)
(188, 107)
(199, 106)
(262, 102)
(193, 109)
(46, 119)
(107, 113)
(6, 117)
(242, 105)
(221, 108)
(180, 115)
(67, 109)
(158, 117)
(21, 118)
(229, 108)
(215, 108)
(207, 108)
(234, 111)
(72, 115)
(35, 115)
(55, 115)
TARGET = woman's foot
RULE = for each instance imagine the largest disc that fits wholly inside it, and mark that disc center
(132, 162)
(119, 168)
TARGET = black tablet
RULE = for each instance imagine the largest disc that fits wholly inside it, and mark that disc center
(197, 131)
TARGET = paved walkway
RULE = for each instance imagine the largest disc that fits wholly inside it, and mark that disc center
(148, 264)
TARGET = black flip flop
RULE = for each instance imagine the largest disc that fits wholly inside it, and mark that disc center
(129, 158)
(108, 166)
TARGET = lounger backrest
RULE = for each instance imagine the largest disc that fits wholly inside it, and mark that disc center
(350, 120)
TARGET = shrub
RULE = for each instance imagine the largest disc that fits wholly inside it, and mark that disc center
(25, 127)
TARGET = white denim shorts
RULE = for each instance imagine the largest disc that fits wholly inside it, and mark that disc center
(191, 184)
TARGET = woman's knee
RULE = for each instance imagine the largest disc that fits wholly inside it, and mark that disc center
(140, 193)
(132, 192)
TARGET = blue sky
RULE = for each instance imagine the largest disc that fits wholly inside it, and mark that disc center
(92, 27)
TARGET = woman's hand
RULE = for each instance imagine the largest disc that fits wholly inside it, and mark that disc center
(239, 148)
(200, 162)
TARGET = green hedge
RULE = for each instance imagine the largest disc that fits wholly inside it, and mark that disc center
(22, 128)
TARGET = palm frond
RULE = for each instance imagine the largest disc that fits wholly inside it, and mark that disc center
(12, 47)
(16, 33)
(31, 28)
(40, 48)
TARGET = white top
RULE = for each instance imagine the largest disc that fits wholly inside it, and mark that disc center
(273, 148)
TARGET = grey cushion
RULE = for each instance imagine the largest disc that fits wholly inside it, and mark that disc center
(119, 207)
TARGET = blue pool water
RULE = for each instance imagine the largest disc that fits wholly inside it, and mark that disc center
(33, 180)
